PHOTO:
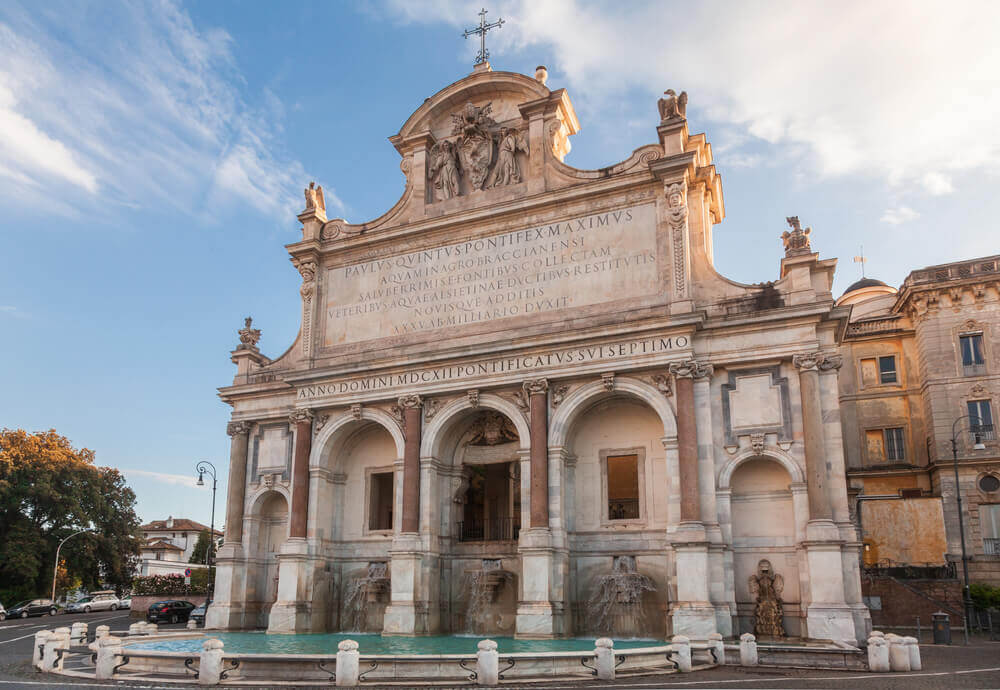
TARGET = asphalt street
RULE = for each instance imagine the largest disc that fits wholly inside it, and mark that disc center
(957, 666)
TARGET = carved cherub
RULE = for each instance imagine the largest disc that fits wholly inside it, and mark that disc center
(673, 106)
(507, 170)
(444, 169)
(314, 197)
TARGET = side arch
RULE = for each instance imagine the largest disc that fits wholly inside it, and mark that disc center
(324, 443)
(769, 453)
(437, 428)
(577, 402)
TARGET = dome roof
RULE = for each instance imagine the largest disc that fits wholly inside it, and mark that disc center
(864, 283)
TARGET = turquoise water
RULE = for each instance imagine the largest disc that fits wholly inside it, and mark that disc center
(264, 643)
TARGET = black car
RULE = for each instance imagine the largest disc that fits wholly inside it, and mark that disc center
(33, 607)
(170, 611)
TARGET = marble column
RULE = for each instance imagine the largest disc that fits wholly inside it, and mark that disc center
(302, 419)
(412, 406)
(413, 574)
(226, 611)
(812, 435)
(292, 611)
(240, 433)
(537, 393)
(828, 616)
(692, 614)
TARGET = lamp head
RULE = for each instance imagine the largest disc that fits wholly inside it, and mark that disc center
(201, 479)
(978, 445)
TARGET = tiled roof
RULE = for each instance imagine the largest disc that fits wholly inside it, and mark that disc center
(160, 545)
(179, 525)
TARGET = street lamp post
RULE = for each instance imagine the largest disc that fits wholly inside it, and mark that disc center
(204, 467)
(978, 445)
(55, 568)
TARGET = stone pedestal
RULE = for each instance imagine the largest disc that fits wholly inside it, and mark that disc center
(604, 658)
(292, 612)
(681, 647)
(718, 647)
(537, 616)
(487, 664)
(228, 610)
(828, 617)
(210, 664)
(348, 664)
(78, 634)
(41, 637)
(748, 650)
(878, 653)
(413, 577)
(693, 614)
(109, 650)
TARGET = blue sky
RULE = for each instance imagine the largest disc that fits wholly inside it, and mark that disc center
(152, 157)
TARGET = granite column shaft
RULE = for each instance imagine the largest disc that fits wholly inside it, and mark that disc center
(300, 475)
(240, 433)
(538, 403)
(411, 468)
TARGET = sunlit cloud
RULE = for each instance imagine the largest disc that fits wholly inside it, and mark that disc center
(165, 478)
(899, 215)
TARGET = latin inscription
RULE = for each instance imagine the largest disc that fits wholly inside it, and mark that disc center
(597, 258)
(501, 365)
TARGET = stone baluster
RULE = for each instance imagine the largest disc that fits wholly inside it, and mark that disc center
(604, 658)
(687, 438)
(302, 420)
(412, 407)
(536, 391)
(899, 655)
(348, 664)
(41, 638)
(812, 431)
(878, 653)
(913, 647)
(109, 651)
(681, 647)
(748, 650)
(715, 642)
(240, 433)
(78, 634)
(210, 662)
(487, 664)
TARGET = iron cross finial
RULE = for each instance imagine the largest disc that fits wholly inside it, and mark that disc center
(481, 30)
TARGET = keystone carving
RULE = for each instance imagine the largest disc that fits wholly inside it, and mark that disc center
(608, 379)
(431, 407)
(473, 397)
(356, 410)
(558, 393)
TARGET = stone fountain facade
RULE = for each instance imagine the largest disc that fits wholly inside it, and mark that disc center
(529, 363)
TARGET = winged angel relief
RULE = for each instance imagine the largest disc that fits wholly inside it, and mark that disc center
(481, 148)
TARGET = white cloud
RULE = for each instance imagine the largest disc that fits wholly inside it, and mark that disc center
(165, 478)
(904, 92)
(898, 215)
(135, 106)
(10, 310)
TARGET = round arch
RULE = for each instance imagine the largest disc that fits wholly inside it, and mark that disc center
(435, 430)
(580, 400)
(333, 428)
(261, 496)
(769, 453)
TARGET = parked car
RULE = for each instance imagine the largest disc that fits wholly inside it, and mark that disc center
(97, 601)
(33, 607)
(170, 611)
(3, 613)
(125, 603)
(198, 614)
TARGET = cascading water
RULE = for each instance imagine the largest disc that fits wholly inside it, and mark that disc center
(364, 596)
(616, 606)
(483, 586)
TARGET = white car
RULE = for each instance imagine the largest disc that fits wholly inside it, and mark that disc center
(97, 601)
(3, 613)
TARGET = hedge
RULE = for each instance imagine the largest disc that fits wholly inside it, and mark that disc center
(156, 585)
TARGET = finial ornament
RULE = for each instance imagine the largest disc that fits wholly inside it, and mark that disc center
(249, 337)
(483, 55)
(673, 107)
(796, 241)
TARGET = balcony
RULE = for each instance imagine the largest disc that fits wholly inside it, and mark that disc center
(983, 432)
(973, 369)
(494, 529)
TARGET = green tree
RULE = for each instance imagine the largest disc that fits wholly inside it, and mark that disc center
(48, 490)
(200, 552)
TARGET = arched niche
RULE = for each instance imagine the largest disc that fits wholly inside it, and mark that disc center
(269, 531)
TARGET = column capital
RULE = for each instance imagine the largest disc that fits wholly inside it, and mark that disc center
(303, 416)
(817, 361)
(234, 428)
(691, 369)
(409, 401)
(535, 386)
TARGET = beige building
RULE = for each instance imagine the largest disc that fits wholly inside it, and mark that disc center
(168, 545)
(523, 401)
(921, 367)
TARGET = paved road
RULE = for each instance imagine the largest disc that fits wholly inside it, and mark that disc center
(975, 666)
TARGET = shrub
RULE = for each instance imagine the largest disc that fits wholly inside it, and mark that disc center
(984, 596)
(159, 585)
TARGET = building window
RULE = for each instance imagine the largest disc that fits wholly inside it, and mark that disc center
(989, 483)
(989, 525)
(380, 501)
(980, 417)
(973, 361)
(887, 369)
(886, 445)
(159, 555)
(623, 487)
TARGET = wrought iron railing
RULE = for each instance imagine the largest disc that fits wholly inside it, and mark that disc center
(494, 529)
(912, 571)
(984, 432)
(991, 547)
(623, 508)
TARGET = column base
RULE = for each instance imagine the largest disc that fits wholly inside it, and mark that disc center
(292, 612)
(695, 619)
(413, 577)
(407, 619)
(228, 609)
(833, 622)
(290, 617)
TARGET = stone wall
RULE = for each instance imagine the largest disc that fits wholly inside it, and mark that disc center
(905, 601)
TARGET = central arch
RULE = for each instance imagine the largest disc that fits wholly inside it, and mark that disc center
(581, 399)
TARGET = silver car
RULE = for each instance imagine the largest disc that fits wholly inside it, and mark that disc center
(97, 601)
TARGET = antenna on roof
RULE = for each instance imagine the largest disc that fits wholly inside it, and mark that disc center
(861, 260)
